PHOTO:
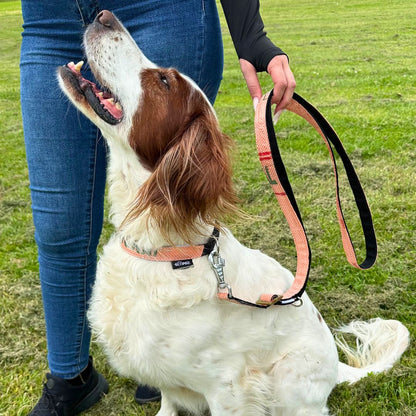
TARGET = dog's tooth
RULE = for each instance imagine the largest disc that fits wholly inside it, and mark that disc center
(78, 66)
(100, 94)
(111, 101)
(118, 106)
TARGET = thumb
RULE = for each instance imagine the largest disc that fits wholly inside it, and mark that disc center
(253, 84)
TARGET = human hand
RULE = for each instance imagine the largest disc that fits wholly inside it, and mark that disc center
(282, 76)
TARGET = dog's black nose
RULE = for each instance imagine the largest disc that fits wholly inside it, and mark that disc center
(106, 18)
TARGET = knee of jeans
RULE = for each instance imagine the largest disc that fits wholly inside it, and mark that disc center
(71, 243)
(72, 251)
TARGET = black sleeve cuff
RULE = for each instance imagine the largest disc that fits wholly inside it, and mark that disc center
(248, 34)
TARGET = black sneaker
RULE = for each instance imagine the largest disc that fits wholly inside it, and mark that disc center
(146, 394)
(68, 398)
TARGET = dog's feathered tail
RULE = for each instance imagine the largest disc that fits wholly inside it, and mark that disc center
(379, 344)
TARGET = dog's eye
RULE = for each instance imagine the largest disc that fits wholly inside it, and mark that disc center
(164, 80)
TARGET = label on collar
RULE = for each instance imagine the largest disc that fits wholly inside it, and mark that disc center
(182, 264)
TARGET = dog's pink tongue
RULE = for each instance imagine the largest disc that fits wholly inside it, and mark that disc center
(106, 99)
(113, 108)
(108, 102)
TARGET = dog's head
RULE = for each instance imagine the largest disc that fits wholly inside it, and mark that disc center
(164, 119)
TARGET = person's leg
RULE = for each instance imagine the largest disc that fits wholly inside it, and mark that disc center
(66, 159)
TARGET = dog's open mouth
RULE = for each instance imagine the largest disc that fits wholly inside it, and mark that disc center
(101, 100)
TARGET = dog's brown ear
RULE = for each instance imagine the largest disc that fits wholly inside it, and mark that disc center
(191, 182)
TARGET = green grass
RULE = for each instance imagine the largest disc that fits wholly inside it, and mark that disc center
(355, 61)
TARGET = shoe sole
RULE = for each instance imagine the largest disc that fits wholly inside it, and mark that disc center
(93, 397)
(150, 399)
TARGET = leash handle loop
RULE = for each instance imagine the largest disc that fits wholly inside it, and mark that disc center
(304, 109)
(275, 172)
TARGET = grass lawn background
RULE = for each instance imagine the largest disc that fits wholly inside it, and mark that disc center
(356, 62)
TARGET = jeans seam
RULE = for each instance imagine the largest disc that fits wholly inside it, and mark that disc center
(202, 46)
(88, 250)
(80, 13)
(87, 19)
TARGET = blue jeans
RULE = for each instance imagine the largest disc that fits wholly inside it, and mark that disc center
(66, 154)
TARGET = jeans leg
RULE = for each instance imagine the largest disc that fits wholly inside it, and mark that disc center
(66, 159)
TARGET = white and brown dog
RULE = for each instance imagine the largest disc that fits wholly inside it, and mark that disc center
(169, 183)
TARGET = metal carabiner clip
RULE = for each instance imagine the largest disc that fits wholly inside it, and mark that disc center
(217, 264)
